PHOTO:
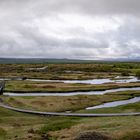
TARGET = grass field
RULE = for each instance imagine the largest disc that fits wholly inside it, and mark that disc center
(61, 104)
(70, 71)
(22, 126)
(29, 86)
(28, 127)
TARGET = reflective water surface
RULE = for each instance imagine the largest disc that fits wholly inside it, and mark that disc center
(117, 79)
(116, 103)
(73, 93)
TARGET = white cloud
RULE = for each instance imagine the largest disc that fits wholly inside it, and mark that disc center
(70, 29)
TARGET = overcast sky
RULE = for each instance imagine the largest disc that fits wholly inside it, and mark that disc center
(77, 29)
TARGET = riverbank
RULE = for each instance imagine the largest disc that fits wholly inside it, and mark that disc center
(70, 71)
(66, 103)
(52, 87)
(25, 126)
(61, 104)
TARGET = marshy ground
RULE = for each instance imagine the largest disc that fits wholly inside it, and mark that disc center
(20, 126)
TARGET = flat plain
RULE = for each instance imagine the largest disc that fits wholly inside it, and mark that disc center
(22, 126)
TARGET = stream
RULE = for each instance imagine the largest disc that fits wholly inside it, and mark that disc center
(117, 79)
(115, 103)
(73, 93)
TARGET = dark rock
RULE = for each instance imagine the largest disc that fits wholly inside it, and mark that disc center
(92, 136)
(31, 131)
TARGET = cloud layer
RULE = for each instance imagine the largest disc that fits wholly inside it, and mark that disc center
(83, 29)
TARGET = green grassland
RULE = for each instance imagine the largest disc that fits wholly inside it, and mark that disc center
(30, 127)
(22, 126)
(29, 86)
(61, 104)
(70, 71)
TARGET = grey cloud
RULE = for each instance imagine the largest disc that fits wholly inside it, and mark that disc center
(21, 36)
(40, 7)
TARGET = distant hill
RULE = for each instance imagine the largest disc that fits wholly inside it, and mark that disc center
(39, 60)
(45, 60)
(124, 59)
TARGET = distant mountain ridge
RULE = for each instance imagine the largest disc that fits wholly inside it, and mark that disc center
(39, 60)
(53, 60)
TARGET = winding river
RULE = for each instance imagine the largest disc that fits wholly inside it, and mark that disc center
(115, 103)
(94, 81)
(72, 93)
(117, 79)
